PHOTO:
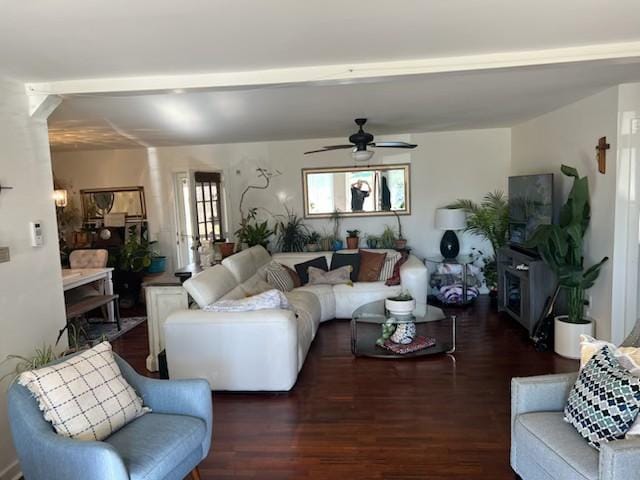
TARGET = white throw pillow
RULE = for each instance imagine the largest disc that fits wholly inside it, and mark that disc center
(85, 397)
(629, 358)
(279, 277)
(271, 299)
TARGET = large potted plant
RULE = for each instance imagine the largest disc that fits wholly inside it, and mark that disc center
(252, 232)
(292, 232)
(561, 247)
(488, 219)
(132, 260)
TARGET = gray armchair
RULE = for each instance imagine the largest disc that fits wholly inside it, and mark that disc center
(545, 447)
(166, 444)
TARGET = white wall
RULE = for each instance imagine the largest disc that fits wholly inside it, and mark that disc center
(445, 166)
(31, 300)
(569, 135)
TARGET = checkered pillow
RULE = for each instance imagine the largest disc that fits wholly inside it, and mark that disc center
(85, 397)
(604, 401)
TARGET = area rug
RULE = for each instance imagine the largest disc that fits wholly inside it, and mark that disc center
(96, 332)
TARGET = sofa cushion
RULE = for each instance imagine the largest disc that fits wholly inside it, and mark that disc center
(604, 401)
(294, 276)
(555, 446)
(306, 304)
(370, 265)
(302, 268)
(154, 444)
(326, 297)
(245, 264)
(348, 298)
(389, 264)
(341, 259)
(210, 285)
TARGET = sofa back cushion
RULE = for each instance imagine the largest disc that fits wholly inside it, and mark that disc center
(245, 264)
(210, 285)
(291, 259)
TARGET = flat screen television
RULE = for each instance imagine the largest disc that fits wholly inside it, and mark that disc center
(530, 205)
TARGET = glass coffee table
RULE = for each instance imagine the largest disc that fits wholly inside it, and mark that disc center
(431, 324)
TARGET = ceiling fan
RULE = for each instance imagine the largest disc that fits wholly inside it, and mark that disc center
(359, 143)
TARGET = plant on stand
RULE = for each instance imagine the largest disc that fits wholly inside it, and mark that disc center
(292, 233)
(134, 257)
(252, 232)
(401, 242)
(488, 219)
(335, 218)
(561, 247)
(353, 239)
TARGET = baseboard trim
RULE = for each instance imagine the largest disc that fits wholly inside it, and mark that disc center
(12, 472)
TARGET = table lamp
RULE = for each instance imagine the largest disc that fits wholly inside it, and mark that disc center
(450, 219)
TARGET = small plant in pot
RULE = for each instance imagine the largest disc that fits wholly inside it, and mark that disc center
(561, 247)
(313, 242)
(253, 232)
(158, 261)
(388, 238)
(372, 241)
(400, 242)
(292, 232)
(403, 304)
(353, 239)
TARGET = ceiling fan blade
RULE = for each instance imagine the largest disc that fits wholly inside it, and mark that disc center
(393, 145)
(329, 148)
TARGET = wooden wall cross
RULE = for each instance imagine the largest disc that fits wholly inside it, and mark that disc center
(602, 148)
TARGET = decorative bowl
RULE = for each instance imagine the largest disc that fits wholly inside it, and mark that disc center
(400, 307)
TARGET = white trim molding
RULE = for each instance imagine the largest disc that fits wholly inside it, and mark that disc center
(340, 73)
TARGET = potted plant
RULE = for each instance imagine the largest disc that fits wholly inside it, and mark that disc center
(337, 243)
(488, 219)
(158, 262)
(253, 232)
(353, 239)
(292, 232)
(132, 260)
(372, 241)
(561, 247)
(401, 305)
(388, 238)
(313, 242)
(400, 242)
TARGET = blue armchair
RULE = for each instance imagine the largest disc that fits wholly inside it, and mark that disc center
(166, 444)
(545, 447)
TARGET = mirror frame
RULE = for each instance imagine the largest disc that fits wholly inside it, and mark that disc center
(406, 167)
(88, 191)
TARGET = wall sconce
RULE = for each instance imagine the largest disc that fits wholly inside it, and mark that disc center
(60, 197)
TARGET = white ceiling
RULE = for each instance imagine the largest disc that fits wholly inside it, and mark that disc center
(94, 39)
(454, 101)
(71, 39)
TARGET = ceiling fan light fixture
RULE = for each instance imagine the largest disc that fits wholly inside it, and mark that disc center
(362, 155)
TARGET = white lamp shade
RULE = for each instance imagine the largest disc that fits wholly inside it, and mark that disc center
(451, 219)
(362, 155)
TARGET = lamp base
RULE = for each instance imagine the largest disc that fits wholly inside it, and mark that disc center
(449, 245)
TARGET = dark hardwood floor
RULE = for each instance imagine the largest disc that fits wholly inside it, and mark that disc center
(348, 418)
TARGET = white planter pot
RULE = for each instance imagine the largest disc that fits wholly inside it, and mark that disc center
(567, 336)
(400, 307)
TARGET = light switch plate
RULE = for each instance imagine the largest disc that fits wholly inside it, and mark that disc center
(4, 254)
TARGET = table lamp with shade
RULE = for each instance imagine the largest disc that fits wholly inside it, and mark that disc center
(450, 220)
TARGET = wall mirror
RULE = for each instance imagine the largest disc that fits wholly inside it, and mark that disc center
(356, 191)
(99, 202)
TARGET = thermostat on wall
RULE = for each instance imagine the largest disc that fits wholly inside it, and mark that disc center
(37, 238)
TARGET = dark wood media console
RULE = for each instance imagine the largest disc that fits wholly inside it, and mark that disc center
(524, 284)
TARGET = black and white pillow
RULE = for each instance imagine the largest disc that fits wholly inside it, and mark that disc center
(85, 397)
(279, 277)
(604, 401)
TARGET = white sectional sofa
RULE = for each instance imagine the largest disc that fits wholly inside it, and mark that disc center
(264, 350)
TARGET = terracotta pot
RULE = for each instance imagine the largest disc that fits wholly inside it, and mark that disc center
(352, 242)
(226, 248)
(401, 244)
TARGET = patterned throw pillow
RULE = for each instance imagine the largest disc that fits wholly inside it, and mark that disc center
(388, 266)
(339, 276)
(85, 397)
(278, 277)
(604, 401)
(395, 278)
